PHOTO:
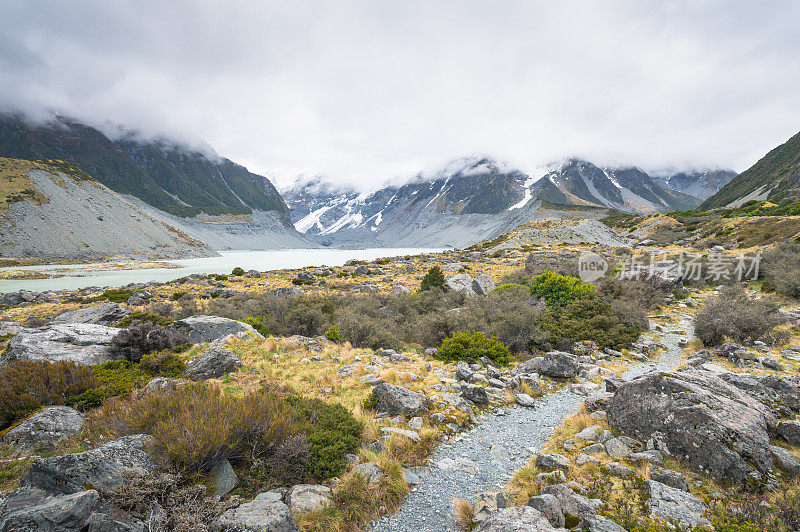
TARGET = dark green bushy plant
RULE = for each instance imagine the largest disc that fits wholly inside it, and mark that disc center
(141, 338)
(558, 289)
(142, 316)
(472, 346)
(433, 279)
(237, 271)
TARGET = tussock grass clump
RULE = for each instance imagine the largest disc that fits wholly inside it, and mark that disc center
(463, 512)
(26, 386)
(142, 316)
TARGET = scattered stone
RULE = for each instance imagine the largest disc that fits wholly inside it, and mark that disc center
(616, 469)
(616, 448)
(523, 399)
(785, 460)
(670, 478)
(258, 515)
(32, 510)
(223, 478)
(675, 505)
(487, 503)
(476, 394)
(410, 434)
(523, 518)
(101, 468)
(789, 431)
(370, 471)
(214, 363)
(549, 462)
(210, 328)
(107, 313)
(549, 507)
(307, 497)
(395, 400)
(575, 507)
(82, 343)
(559, 364)
(45, 429)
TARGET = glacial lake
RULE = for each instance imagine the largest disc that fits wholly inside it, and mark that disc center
(73, 277)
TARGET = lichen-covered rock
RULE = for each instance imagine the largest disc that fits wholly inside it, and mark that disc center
(307, 497)
(31, 510)
(102, 468)
(259, 515)
(107, 313)
(476, 394)
(559, 364)
(45, 429)
(518, 519)
(82, 343)
(700, 419)
(674, 505)
(214, 363)
(394, 400)
(210, 328)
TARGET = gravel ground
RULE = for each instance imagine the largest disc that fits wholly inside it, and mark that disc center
(499, 445)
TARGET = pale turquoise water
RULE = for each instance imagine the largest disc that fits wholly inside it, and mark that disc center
(78, 277)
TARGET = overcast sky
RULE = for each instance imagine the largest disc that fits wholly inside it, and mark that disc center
(364, 91)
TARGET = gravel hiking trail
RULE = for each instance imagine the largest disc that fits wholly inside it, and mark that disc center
(502, 442)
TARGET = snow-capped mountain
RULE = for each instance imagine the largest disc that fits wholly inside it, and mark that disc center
(468, 200)
(698, 183)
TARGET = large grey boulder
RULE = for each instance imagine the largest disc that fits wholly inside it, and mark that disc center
(210, 328)
(785, 460)
(482, 284)
(45, 429)
(516, 519)
(214, 363)
(395, 400)
(31, 510)
(259, 515)
(461, 283)
(789, 431)
(667, 476)
(223, 478)
(674, 505)
(700, 419)
(559, 364)
(102, 468)
(107, 313)
(83, 343)
(307, 497)
(781, 393)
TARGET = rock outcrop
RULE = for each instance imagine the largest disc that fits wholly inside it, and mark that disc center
(83, 343)
(107, 313)
(45, 429)
(210, 328)
(395, 400)
(212, 364)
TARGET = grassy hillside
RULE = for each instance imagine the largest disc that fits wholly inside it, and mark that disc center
(778, 171)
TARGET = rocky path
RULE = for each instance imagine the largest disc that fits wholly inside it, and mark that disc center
(485, 457)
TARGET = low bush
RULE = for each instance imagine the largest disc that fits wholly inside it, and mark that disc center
(163, 363)
(220, 277)
(117, 377)
(434, 278)
(257, 324)
(590, 318)
(177, 295)
(780, 270)
(116, 295)
(472, 346)
(301, 282)
(141, 338)
(558, 289)
(734, 316)
(195, 427)
(142, 316)
(331, 431)
(333, 334)
(237, 271)
(26, 386)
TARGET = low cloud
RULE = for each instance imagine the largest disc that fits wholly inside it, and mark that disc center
(367, 91)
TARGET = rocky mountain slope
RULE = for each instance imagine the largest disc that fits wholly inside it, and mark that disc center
(54, 211)
(775, 177)
(211, 197)
(698, 183)
(469, 200)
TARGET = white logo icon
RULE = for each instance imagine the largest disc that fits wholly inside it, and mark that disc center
(591, 266)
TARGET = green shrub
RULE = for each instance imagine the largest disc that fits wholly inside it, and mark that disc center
(142, 316)
(117, 295)
(590, 318)
(301, 282)
(237, 271)
(331, 431)
(177, 295)
(220, 277)
(257, 324)
(163, 363)
(734, 315)
(558, 289)
(27, 385)
(472, 346)
(117, 377)
(333, 334)
(433, 279)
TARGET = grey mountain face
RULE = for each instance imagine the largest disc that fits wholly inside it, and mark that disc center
(698, 183)
(472, 199)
